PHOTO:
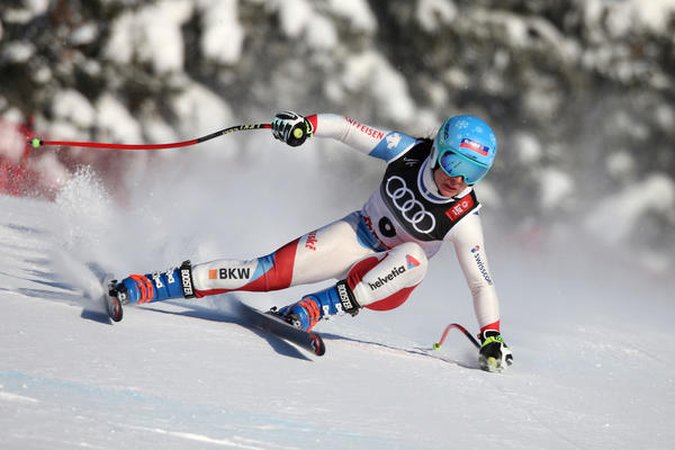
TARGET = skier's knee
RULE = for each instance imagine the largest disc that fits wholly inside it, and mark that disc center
(413, 257)
(386, 281)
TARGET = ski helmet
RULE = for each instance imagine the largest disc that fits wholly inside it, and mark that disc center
(464, 146)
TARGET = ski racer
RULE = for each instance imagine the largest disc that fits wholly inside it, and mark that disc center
(379, 254)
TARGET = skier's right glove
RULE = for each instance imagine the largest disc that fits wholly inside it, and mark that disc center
(494, 355)
(291, 128)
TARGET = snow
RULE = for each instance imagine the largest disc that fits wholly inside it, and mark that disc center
(654, 15)
(53, 174)
(371, 72)
(357, 74)
(527, 148)
(119, 47)
(588, 325)
(115, 120)
(73, 107)
(84, 34)
(665, 115)
(617, 215)
(152, 35)
(158, 131)
(555, 186)
(18, 52)
(42, 75)
(620, 17)
(321, 34)
(357, 13)
(64, 130)
(223, 35)
(432, 14)
(587, 332)
(295, 16)
(12, 143)
(298, 17)
(201, 109)
(621, 164)
(37, 6)
(30, 9)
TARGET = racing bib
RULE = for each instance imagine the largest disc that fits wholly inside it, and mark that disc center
(420, 217)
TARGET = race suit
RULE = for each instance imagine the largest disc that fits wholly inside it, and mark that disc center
(382, 250)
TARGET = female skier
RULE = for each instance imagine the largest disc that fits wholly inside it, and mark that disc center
(380, 253)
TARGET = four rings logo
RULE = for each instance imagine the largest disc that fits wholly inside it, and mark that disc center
(412, 210)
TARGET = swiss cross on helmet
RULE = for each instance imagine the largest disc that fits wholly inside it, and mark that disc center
(464, 146)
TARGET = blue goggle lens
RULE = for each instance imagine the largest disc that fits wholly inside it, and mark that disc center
(456, 165)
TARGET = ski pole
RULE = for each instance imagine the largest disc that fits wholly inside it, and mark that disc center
(37, 142)
(459, 327)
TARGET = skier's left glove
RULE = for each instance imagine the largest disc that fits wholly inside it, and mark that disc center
(494, 355)
(291, 128)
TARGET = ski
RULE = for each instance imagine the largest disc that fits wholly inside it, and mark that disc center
(269, 322)
(113, 305)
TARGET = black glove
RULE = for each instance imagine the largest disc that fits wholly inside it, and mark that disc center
(494, 355)
(291, 128)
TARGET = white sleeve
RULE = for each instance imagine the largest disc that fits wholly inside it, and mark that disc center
(375, 142)
(469, 243)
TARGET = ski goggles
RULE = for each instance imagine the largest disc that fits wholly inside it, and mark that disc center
(456, 165)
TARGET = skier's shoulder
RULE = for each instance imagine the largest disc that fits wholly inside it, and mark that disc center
(467, 229)
(394, 145)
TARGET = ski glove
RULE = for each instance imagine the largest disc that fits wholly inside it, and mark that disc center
(494, 355)
(291, 128)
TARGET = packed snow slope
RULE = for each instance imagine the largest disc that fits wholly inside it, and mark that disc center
(591, 335)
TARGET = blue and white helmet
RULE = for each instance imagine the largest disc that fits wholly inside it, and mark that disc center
(464, 146)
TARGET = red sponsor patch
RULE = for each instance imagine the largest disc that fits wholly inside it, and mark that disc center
(460, 207)
(377, 134)
(311, 241)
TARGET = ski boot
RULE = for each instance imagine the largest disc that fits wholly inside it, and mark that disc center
(306, 313)
(140, 289)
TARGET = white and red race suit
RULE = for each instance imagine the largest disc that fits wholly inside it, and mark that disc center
(382, 250)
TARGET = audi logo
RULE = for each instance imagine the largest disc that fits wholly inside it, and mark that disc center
(411, 209)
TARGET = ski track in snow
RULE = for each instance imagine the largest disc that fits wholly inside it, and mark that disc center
(191, 375)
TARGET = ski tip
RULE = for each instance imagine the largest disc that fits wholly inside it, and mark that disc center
(116, 311)
(112, 303)
(317, 345)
